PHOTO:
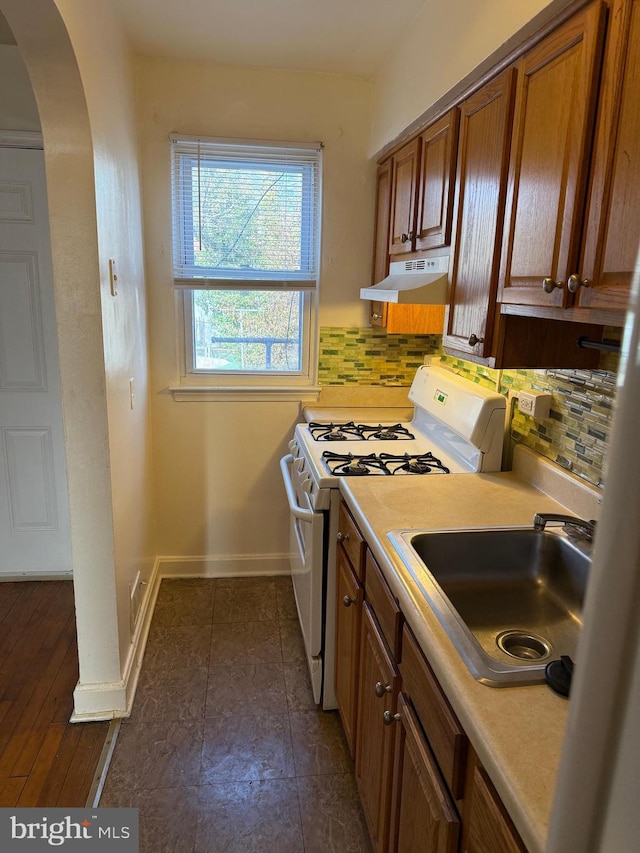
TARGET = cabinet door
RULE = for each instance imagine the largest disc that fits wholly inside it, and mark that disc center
(483, 157)
(490, 828)
(613, 216)
(435, 188)
(377, 310)
(404, 180)
(349, 595)
(424, 815)
(377, 697)
(553, 129)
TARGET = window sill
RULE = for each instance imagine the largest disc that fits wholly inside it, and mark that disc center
(243, 393)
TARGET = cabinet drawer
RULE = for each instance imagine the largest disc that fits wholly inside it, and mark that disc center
(446, 736)
(379, 596)
(351, 540)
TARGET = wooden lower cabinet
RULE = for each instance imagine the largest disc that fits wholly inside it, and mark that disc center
(377, 699)
(422, 786)
(488, 827)
(424, 816)
(348, 620)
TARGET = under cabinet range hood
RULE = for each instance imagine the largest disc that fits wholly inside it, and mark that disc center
(420, 282)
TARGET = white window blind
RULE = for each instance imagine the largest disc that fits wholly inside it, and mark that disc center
(246, 215)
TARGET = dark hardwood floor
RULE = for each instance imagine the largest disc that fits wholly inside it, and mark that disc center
(44, 759)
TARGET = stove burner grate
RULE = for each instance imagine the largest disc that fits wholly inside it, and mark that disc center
(350, 465)
(364, 432)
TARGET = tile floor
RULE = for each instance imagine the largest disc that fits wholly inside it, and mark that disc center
(225, 750)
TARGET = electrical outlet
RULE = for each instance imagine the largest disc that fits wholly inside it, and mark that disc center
(536, 404)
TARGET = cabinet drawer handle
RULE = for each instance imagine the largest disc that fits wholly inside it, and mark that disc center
(348, 601)
(574, 283)
(550, 284)
(388, 718)
(474, 339)
(381, 689)
(342, 537)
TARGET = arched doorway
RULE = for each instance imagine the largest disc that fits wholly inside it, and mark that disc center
(44, 42)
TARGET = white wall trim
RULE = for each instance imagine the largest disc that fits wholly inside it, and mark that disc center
(21, 139)
(106, 701)
(138, 645)
(228, 566)
(35, 576)
(100, 701)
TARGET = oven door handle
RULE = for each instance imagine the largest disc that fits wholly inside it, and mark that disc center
(298, 511)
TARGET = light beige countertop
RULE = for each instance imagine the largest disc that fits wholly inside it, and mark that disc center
(517, 732)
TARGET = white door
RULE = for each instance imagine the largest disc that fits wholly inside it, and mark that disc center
(34, 522)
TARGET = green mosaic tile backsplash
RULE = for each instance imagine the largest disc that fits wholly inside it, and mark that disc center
(353, 356)
(576, 433)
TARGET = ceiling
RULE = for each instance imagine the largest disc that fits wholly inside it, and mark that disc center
(337, 36)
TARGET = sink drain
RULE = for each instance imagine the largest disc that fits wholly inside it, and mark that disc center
(519, 644)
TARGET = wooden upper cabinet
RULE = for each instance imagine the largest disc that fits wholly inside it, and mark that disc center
(422, 188)
(397, 319)
(404, 183)
(483, 161)
(436, 183)
(381, 233)
(553, 129)
(377, 310)
(612, 233)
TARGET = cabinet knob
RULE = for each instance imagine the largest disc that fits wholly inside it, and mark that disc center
(342, 537)
(407, 238)
(375, 316)
(550, 284)
(388, 718)
(381, 689)
(575, 282)
(348, 601)
(474, 339)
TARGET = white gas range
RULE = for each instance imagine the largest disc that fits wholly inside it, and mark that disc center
(457, 428)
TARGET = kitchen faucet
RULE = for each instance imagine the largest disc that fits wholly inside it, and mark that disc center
(576, 528)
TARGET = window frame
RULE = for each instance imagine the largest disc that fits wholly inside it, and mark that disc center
(192, 378)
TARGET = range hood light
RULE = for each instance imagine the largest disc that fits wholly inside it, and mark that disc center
(421, 282)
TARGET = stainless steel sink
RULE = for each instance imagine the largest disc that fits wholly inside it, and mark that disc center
(510, 599)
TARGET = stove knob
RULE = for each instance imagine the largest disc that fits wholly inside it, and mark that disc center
(307, 484)
(298, 464)
(293, 447)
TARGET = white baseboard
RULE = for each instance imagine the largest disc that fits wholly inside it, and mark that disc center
(106, 701)
(101, 701)
(252, 565)
(35, 576)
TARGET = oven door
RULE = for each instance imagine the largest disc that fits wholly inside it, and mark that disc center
(306, 558)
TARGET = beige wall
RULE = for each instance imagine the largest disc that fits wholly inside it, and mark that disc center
(18, 108)
(218, 485)
(445, 42)
(107, 75)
